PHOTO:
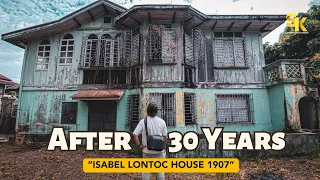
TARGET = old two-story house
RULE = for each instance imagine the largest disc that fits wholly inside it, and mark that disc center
(97, 69)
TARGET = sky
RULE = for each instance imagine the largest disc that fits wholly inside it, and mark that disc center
(17, 14)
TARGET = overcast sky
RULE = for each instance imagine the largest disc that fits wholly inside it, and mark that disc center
(17, 14)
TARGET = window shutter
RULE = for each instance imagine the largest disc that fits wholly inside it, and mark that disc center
(126, 48)
(135, 48)
(169, 44)
(239, 52)
(188, 49)
(223, 52)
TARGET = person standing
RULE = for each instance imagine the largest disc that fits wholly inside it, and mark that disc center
(155, 126)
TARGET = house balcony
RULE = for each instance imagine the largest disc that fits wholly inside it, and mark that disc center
(285, 71)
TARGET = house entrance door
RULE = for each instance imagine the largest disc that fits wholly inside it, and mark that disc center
(102, 115)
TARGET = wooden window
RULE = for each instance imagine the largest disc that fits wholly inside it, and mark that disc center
(133, 116)
(189, 108)
(188, 49)
(43, 55)
(162, 44)
(103, 52)
(66, 50)
(229, 49)
(69, 113)
(166, 106)
(234, 108)
(91, 50)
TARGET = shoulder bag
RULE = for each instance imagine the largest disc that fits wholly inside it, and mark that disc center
(154, 142)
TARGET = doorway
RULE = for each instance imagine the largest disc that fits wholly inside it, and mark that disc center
(308, 113)
(102, 115)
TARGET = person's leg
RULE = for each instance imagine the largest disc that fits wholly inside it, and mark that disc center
(145, 176)
(160, 176)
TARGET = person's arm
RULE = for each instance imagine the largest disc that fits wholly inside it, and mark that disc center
(136, 132)
(136, 140)
(165, 141)
(164, 134)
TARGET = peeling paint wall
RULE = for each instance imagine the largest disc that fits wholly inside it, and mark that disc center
(277, 97)
(40, 111)
(293, 93)
(42, 92)
(206, 109)
(255, 62)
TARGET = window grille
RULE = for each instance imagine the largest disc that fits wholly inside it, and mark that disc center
(91, 51)
(102, 52)
(133, 116)
(106, 51)
(69, 113)
(189, 108)
(166, 106)
(234, 108)
(66, 49)
(273, 74)
(43, 55)
(162, 44)
(293, 70)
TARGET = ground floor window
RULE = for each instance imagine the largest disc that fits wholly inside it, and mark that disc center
(234, 108)
(133, 116)
(166, 105)
(189, 108)
(69, 113)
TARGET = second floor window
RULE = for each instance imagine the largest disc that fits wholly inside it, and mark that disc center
(43, 55)
(66, 51)
(163, 44)
(103, 51)
(229, 49)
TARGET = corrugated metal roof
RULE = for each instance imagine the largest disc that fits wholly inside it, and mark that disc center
(112, 94)
(2, 77)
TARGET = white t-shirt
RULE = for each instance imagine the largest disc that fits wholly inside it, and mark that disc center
(156, 126)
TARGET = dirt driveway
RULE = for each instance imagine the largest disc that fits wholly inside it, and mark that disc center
(20, 163)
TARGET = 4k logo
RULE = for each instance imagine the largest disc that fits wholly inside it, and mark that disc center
(295, 22)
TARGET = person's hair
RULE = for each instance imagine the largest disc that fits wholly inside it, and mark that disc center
(152, 109)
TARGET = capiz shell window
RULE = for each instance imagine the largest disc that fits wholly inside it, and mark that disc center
(43, 55)
(69, 113)
(234, 108)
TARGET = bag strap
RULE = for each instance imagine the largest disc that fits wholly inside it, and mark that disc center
(146, 125)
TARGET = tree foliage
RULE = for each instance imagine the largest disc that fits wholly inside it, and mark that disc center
(297, 45)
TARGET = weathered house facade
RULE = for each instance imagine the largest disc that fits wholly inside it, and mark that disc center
(98, 68)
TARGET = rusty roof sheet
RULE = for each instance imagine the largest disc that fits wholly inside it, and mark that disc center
(111, 94)
(2, 77)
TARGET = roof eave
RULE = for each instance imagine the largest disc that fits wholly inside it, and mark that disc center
(7, 36)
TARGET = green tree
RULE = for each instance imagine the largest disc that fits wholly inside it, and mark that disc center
(299, 46)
